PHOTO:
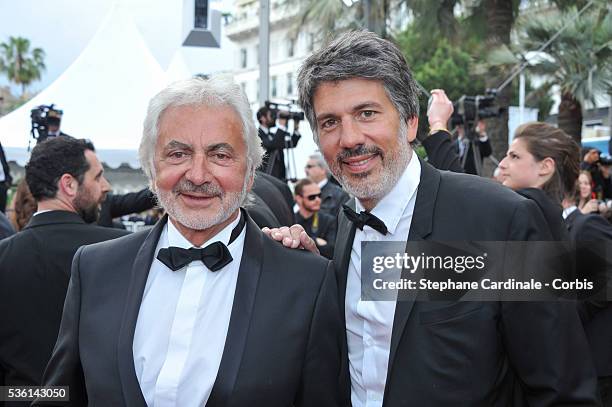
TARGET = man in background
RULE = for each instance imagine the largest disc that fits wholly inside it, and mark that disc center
(68, 184)
(274, 141)
(332, 196)
(321, 227)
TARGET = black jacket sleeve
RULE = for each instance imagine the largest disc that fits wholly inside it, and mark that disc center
(441, 153)
(64, 367)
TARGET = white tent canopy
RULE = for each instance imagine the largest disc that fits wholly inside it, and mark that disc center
(104, 93)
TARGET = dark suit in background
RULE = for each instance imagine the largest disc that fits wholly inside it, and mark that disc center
(33, 281)
(478, 354)
(332, 198)
(325, 229)
(6, 183)
(261, 213)
(282, 347)
(593, 235)
(274, 193)
(115, 206)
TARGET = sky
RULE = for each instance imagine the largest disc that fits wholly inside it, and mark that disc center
(64, 27)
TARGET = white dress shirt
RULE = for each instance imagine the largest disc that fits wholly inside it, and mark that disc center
(369, 324)
(568, 211)
(182, 324)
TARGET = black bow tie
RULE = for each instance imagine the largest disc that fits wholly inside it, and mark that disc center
(215, 256)
(365, 218)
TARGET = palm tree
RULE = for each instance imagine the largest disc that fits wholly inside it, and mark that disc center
(21, 65)
(578, 61)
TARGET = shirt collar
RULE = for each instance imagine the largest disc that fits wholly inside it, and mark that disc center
(393, 205)
(568, 211)
(176, 239)
(323, 183)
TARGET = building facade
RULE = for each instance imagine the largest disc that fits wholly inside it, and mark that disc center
(288, 48)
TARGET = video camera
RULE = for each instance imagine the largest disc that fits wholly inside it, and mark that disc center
(288, 110)
(42, 116)
(469, 109)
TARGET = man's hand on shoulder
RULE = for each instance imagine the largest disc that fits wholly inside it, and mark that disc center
(293, 237)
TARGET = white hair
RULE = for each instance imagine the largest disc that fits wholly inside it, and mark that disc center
(213, 92)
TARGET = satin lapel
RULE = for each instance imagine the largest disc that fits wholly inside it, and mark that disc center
(342, 252)
(138, 279)
(342, 256)
(420, 228)
(242, 310)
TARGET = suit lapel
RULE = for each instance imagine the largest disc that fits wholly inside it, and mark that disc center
(342, 252)
(242, 310)
(345, 235)
(571, 218)
(138, 279)
(420, 228)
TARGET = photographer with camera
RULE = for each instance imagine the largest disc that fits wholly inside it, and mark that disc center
(598, 167)
(46, 122)
(275, 139)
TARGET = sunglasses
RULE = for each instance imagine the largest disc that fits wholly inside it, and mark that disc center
(309, 166)
(313, 196)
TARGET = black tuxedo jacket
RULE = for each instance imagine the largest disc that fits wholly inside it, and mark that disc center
(34, 273)
(332, 198)
(481, 354)
(283, 342)
(268, 189)
(593, 235)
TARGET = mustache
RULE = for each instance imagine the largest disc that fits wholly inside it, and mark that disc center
(357, 151)
(207, 188)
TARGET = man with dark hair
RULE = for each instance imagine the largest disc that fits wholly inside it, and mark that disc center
(320, 226)
(332, 196)
(361, 101)
(67, 181)
(274, 142)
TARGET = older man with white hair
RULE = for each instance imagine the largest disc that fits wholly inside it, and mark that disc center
(203, 309)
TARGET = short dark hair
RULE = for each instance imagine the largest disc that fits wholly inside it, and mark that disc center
(299, 187)
(53, 158)
(545, 140)
(359, 54)
(262, 112)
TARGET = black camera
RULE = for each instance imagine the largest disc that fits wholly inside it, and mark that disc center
(289, 111)
(605, 161)
(469, 109)
(42, 117)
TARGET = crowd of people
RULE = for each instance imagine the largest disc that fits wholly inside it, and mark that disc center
(246, 292)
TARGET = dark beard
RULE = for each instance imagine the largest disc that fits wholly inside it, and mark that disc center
(89, 214)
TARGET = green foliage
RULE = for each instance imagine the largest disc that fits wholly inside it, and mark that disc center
(21, 65)
(579, 61)
(449, 67)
